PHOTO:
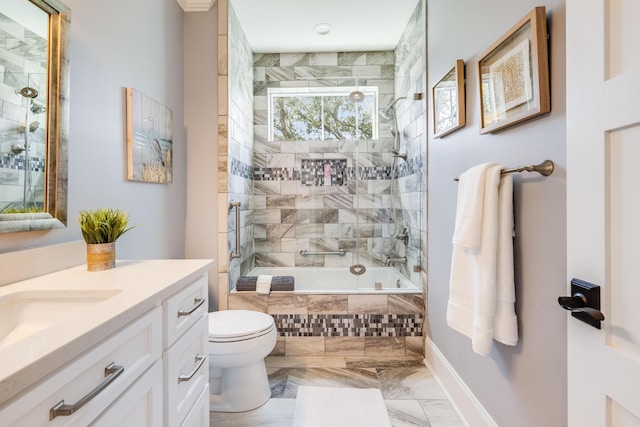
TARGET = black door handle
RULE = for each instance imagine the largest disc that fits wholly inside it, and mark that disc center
(584, 302)
(577, 304)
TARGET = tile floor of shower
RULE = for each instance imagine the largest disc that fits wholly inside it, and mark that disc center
(411, 393)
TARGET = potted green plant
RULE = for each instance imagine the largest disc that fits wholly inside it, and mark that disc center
(100, 230)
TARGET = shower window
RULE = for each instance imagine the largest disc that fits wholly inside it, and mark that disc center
(318, 114)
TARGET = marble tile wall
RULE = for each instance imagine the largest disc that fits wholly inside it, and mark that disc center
(410, 79)
(23, 62)
(235, 148)
(353, 211)
(341, 325)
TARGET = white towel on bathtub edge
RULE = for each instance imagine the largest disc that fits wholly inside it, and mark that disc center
(481, 281)
(263, 284)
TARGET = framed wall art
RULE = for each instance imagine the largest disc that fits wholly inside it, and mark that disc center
(149, 139)
(448, 100)
(514, 75)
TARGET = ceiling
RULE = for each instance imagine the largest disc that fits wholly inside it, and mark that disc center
(355, 25)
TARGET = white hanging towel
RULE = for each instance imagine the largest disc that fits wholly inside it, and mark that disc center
(263, 284)
(482, 294)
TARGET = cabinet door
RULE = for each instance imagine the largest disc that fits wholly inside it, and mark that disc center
(186, 366)
(139, 406)
(199, 414)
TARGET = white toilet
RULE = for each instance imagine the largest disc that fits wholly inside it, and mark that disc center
(239, 340)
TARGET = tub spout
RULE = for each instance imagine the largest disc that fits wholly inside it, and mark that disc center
(393, 261)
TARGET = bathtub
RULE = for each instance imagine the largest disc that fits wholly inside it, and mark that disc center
(339, 280)
(333, 312)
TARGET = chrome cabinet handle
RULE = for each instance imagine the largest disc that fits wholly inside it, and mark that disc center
(111, 372)
(200, 359)
(198, 302)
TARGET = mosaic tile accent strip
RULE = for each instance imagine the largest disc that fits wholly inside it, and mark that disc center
(313, 172)
(12, 161)
(276, 174)
(349, 325)
(239, 168)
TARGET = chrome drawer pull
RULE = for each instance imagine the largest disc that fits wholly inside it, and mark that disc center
(111, 372)
(200, 359)
(197, 301)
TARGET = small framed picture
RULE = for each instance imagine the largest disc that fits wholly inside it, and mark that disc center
(449, 101)
(514, 75)
(149, 139)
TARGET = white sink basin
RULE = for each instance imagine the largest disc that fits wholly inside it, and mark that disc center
(25, 313)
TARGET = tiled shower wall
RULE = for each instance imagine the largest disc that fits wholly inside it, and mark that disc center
(294, 212)
(411, 78)
(23, 62)
(235, 149)
(289, 211)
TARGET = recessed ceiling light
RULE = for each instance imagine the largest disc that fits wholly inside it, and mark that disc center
(322, 29)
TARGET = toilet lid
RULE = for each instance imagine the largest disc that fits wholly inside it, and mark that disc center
(238, 323)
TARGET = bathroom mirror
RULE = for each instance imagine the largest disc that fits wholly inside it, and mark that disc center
(34, 73)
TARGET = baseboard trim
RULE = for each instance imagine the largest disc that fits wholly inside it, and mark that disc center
(463, 400)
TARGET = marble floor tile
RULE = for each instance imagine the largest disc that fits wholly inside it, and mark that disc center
(412, 396)
(274, 413)
(440, 413)
(409, 383)
(277, 381)
(406, 413)
(329, 377)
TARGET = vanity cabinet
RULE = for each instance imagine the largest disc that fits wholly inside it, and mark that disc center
(152, 370)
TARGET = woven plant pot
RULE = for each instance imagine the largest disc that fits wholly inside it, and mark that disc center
(101, 256)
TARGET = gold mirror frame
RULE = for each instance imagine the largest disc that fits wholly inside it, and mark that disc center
(57, 127)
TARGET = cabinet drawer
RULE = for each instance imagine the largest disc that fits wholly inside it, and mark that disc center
(183, 310)
(199, 414)
(139, 406)
(186, 366)
(132, 350)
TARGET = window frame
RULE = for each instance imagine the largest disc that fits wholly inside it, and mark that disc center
(312, 91)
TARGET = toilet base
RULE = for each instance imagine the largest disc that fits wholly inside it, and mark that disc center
(239, 389)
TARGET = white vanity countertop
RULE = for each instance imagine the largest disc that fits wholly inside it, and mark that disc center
(144, 284)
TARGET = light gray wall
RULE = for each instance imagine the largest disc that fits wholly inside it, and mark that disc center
(522, 385)
(115, 44)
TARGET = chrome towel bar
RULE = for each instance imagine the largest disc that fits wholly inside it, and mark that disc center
(545, 169)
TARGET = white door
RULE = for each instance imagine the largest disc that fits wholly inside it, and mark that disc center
(603, 207)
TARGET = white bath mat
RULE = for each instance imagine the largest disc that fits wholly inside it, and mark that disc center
(340, 407)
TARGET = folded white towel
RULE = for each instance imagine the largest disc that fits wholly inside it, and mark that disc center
(263, 284)
(474, 293)
(471, 186)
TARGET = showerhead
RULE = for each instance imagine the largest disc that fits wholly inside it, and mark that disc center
(356, 96)
(387, 114)
(27, 92)
(33, 126)
(390, 112)
(38, 109)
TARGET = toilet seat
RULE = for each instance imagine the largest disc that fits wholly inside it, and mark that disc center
(238, 325)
